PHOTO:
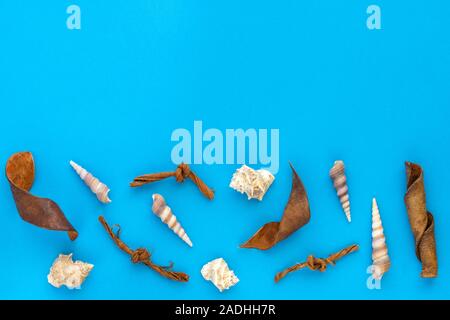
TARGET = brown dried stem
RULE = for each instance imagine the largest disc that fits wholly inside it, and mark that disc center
(141, 255)
(317, 264)
(182, 172)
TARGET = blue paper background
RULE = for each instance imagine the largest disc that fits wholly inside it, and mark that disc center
(109, 96)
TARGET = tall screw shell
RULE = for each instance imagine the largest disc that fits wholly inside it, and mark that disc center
(337, 174)
(380, 258)
(97, 187)
(163, 211)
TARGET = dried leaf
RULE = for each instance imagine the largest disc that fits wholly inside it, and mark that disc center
(41, 212)
(296, 215)
(421, 221)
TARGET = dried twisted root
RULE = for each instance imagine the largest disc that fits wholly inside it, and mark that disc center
(317, 264)
(41, 212)
(182, 172)
(141, 255)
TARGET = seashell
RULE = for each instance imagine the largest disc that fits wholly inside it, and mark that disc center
(337, 174)
(254, 183)
(219, 274)
(97, 187)
(163, 211)
(380, 258)
(68, 273)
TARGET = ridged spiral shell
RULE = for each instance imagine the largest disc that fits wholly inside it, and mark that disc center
(164, 212)
(380, 258)
(97, 187)
(337, 174)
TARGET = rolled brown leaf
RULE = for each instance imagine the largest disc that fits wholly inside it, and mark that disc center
(296, 215)
(421, 221)
(41, 212)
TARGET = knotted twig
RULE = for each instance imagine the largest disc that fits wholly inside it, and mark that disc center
(182, 172)
(141, 255)
(317, 264)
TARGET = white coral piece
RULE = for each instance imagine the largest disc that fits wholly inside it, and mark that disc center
(66, 272)
(254, 183)
(219, 274)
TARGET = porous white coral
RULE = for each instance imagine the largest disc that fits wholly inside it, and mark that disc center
(219, 274)
(65, 271)
(254, 183)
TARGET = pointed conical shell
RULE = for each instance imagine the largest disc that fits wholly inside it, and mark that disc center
(163, 211)
(97, 187)
(337, 174)
(380, 258)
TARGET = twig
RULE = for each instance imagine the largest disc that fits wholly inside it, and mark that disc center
(182, 172)
(141, 255)
(317, 264)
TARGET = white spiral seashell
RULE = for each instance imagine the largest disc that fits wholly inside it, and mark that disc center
(337, 174)
(163, 211)
(380, 258)
(219, 274)
(97, 187)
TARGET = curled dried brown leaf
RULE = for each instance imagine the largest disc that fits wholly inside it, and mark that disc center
(41, 212)
(421, 221)
(317, 264)
(141, 255)
(296, 215)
